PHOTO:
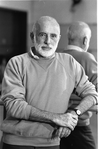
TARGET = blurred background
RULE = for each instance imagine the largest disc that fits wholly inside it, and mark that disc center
(17, 18)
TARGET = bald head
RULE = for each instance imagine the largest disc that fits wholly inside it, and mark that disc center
(79, 33)
(45, 21)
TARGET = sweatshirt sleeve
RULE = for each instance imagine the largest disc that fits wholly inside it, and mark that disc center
(13, 91)
(83, 87)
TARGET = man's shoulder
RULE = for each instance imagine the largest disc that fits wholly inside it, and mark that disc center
(80, 54)
(66, 59)
(19, 60)
(63, 55)
(90, 55)
(19, 57)
(87, 56)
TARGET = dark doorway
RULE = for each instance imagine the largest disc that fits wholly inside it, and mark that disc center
(13, 32)
(13, 29)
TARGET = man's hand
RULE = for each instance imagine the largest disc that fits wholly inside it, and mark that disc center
(61, 132)
(66, 120)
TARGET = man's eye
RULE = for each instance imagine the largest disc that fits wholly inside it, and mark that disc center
(53, 35)
(41, 35)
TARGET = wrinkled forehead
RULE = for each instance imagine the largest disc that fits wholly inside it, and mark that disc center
(48, 26)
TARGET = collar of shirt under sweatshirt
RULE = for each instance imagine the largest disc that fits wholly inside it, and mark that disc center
(73, 47)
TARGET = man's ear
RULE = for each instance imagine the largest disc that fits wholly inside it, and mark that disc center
(32, 36)
(85, 40)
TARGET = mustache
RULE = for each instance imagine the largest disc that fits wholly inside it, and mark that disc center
(43, 46)
(49, 47)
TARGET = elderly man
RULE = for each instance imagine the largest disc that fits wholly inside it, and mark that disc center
(36, 89)
(79, 34)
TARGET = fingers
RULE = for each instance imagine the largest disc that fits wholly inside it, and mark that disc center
(71, 121)
(63, 132)
(71, 126)
(59, 132)
(67, 132)
(66, 120)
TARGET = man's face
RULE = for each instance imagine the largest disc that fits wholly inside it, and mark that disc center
(46, 39)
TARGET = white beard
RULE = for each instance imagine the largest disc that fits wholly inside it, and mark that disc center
(43, 52)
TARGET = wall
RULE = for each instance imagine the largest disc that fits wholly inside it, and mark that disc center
(61, 10)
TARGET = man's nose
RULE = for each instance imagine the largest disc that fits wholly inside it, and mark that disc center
(47, 39)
